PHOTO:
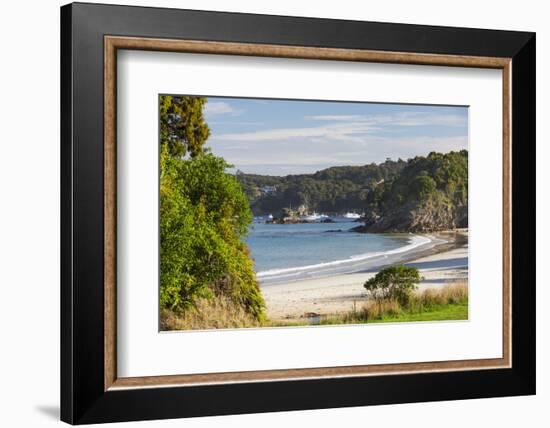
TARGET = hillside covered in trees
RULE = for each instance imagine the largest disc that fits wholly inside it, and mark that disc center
(335, 190)
(430, 194)
(425, 193)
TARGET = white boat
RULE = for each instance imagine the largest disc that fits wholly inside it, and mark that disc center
(352, 215)
(313, 217)
(263, 219)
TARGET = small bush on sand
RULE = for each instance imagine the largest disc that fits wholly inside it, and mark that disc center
(393, 283)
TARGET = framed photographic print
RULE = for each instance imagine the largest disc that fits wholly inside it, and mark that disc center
(265, 213)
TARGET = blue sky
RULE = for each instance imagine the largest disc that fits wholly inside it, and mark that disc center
(280, 137)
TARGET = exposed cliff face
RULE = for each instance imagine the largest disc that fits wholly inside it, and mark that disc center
(430, 216)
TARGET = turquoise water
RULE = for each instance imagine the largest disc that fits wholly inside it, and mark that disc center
(286, 252)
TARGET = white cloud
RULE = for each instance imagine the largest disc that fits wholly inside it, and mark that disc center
(335, 132)
(336, 117)
(219, 108)
(235, 123)
(350, 128)
(398, 119)
(428, 119)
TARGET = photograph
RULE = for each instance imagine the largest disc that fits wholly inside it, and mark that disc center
(289, 213)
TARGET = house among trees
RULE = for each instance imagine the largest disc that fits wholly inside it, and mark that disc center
(267, 190)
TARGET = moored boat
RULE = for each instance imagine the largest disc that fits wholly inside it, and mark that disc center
(352, 216)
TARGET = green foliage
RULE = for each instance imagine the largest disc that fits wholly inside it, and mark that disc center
(393, 283)
(204, 217)
(182, 126)
(436, 176)
(424, 186)
(332, 190)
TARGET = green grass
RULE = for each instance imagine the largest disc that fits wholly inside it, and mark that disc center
(446, 312)
(437, 313)
(447, 303)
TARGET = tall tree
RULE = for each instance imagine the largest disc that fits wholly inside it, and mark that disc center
(204, 217)
(183, 129)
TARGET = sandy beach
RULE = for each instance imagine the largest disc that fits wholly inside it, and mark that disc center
(339, 293)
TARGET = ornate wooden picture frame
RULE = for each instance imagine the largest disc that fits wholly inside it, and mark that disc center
(91, 389)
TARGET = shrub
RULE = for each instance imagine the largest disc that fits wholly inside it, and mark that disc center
(204, 217)
(393, 283)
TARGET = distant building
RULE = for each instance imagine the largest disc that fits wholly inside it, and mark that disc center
(266, 190)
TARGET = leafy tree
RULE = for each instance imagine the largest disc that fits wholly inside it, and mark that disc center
(204, 217)
(396, 282)
(424, 186)
(182, 126)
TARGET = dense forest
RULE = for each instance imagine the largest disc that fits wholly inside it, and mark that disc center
(425, 193)
(335, 190)
(430, 193)
(204, 216)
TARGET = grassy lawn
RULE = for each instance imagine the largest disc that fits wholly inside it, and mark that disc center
(437, 313)
(445, 312)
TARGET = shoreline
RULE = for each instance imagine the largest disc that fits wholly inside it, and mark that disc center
(412, 247)
(298, 300)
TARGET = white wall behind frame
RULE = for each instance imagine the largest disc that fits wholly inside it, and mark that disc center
(29, 227)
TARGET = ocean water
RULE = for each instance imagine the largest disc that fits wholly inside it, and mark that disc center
(287, 252)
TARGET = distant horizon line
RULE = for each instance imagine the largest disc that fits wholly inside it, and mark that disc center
(238, 170)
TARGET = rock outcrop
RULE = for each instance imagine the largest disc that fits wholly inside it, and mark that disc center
(419, 218)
